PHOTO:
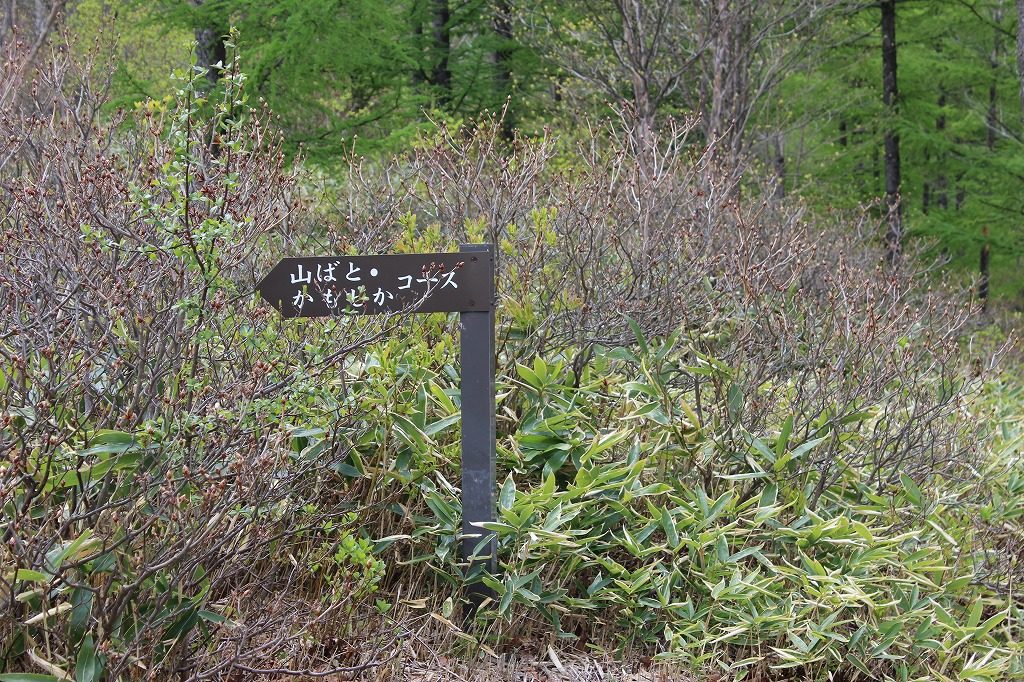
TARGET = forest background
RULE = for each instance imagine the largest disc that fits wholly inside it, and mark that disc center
(758, 398)
(812, 94)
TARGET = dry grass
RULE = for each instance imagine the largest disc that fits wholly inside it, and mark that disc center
(568, 668)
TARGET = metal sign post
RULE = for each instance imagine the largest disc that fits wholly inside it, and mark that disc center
(478, 427)
(463, 282)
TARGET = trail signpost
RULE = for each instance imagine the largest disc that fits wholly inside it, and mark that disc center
(462, 282)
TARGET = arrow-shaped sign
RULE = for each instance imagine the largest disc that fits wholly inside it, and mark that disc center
(323, 286)
(424, 283)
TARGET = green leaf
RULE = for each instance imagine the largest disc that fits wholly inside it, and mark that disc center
(89, 666)
(211, 617)
(529, 376)
(506, 601)
(989, 624)
(913, 492)
(507, 496)
(974, 617)
(807, 447)
(735, 400)
(58, 555)
(641, 339)
(722, 548)
(107, 436)
(670, 528)
(81, 603)
(548, 489)
(602, 443)
(442, 398)
(718, 506)
(409, 433)
(783, 441)
(441, 424)
(27, 677)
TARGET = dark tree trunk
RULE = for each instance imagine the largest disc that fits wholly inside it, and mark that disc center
(10, 10)
(419, 74)
(502, 24)
(983, 267)
(992, 119)
(941, 182)
(894, 234)
(1020, 50)
(779, 191)
(936, 192)
(442, 75)
(210, 49)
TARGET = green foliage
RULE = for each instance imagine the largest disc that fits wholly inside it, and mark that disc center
(132, 530)
(358, 74)
(144, 54)
(346, 562)
(644, 527)
(342, 74)
(626, 518)
(958, 119)
(620, 514)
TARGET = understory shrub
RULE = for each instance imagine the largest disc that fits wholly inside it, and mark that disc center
(622, 510)
(161, 514)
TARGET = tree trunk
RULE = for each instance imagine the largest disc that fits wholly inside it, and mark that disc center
(10, 9)
(502, 24)
(779, 191)
(729, 50)
(936, 192)
(984, 268)
(633, 41)
(894, 234)
(941, 182)
(40, 13)
(442, 75)
(992, 119)
(1020, 50)
(210, 49)
(419, 74)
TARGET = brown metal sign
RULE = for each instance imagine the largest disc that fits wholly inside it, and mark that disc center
(323, 286)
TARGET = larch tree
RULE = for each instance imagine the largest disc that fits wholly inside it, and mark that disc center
(501, 23)
(440, 74)
(890, 97)
(1020, 50)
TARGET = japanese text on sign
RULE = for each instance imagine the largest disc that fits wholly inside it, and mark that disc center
(335, 285)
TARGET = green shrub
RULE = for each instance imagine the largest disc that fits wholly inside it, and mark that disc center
(622, 515)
